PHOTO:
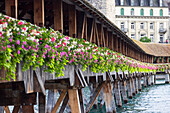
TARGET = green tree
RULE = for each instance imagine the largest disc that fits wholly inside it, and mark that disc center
(145, 39)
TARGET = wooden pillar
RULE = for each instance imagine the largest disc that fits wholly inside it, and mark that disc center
(136, 83)
(145, 80)
(108, 97)
(117, 91)
(9, 4)
(167, 59)
(152, 79)
(115, 43)
(129, 86)
(74, 101)
(157, 59)
(162, 59)
(42, 101)
(133, 85)
(110, 41)
(58, 15)
(119, 45)
(167, 80)
(72, 21)
(123, 89)
(106, 37)
(139, 82)
(39, 12)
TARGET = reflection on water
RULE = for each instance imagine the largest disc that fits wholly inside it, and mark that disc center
(154, 99)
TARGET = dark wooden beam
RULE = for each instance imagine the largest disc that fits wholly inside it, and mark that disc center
(39, 12)
(58, 15)
(72, 21)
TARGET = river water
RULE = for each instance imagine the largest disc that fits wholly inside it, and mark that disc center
(153, 99)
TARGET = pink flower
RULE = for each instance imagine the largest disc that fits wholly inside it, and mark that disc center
(18, 42)
(24, 42)
(10, 40)
(20, 23)
(8, 46)
(67, 38)
(12, 55)
(18, 52)
(24, 28)
(53, 39)
(37, 56)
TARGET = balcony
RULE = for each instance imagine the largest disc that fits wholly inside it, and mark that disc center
(125, 30)
(162, 30)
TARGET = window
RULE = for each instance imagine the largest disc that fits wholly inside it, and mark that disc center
(121, 2)
(151, 26)
(132, 11)
(160, 3)
(122, 11)
(161, 38)
(132, 25)
(141, 25)
(142, 35)
(161, 25)
(161, 12)
(141, 12)
(151, 2)
(152, 37)
(151, 12)
(142, 3)
(122, 25)
(133, 36)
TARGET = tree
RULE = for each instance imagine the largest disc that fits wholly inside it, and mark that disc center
(145, 39)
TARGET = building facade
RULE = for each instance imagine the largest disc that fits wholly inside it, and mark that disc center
(140, 18)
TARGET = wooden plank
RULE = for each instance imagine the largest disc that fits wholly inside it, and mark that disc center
(97, 35)
(129, 86)
(72, 21)
(103, 36)
(16, 109)
(42, 101)
(107, 90)
(81, 100)
(28, 80)
(84, 29)
(8, 7)
(74, 101)
(58, 15)
(40, 81)
(50, 99)
(60, 99)
(94, 96)
(28, 109)
(6, 108)
(117, 93)
(64, 104)
(82, 77)
(39, 12)
(92, 32)
(123, 91)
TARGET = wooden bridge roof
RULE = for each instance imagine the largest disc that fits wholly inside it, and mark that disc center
(155, 49)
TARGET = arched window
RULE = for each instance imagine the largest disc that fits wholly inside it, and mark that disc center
(141, 12)
(161, 12)
(151, 12)
(132, 11)
(122, 11)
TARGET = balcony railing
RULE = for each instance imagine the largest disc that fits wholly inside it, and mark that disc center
(162, 30)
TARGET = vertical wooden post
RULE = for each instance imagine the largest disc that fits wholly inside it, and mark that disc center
(139, 83)
(58, 15)
(136, 83)
(81, 100)
(149, 79)
(162, 59)
(39, 12)
(123, 89)
(74, 101)
(167, 80)
(108, 97)
(72, 21)
(145, 80)
(42, 101)
(167, 60)
(117, 91)
(133, 85)
(115, 43)
(8, 8)
(119, 45)
(129, 86)
(157, 59)
(152, 79)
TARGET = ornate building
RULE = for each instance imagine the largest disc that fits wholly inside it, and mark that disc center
(139, 18)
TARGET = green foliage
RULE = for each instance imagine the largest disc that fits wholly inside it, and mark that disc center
(145, 39)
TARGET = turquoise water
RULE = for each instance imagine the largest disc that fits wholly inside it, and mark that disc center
(153, 99)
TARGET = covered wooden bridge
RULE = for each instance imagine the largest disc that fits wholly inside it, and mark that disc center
(75, 18)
